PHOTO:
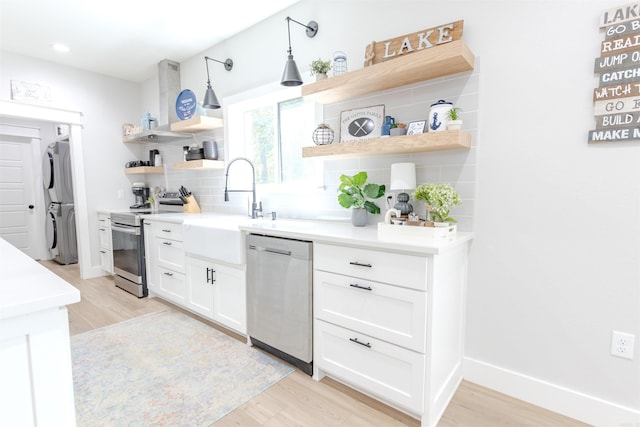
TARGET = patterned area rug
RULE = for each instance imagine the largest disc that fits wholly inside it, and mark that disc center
(165, 369)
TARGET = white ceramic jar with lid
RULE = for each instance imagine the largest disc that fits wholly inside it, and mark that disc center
(438, 115)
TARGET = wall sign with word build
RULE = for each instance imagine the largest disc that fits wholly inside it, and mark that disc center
(617, 98)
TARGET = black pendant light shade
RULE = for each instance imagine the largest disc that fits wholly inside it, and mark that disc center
(210, 99)
(291, 75)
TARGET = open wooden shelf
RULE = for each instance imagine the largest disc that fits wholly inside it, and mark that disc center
(438, 61)
(144, 170)
(199, 164)
(197, 124)
(179, 130)
(405, 144)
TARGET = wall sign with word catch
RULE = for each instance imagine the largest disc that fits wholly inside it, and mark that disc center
(616, 101)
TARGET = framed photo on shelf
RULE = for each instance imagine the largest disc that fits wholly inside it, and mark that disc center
(362, 123)
(415, 128)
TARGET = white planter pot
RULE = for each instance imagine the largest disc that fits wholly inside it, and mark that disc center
(454, 125)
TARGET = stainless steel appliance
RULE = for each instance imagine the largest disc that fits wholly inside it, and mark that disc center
(279, 298)
(60, 230)
(141, 193)
(128, 253)
(60, 223)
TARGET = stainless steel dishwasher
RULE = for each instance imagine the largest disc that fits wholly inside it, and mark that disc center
(279, 298)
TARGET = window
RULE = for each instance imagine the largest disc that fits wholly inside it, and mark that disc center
(270, 129)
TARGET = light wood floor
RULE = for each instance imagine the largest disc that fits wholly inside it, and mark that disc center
(297, 400)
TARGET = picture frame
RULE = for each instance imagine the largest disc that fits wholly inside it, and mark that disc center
(415, 128)
(361, 123)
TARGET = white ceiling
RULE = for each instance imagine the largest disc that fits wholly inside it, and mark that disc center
(125, 38)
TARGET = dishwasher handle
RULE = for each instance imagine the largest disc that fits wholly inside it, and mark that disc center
(271, 250)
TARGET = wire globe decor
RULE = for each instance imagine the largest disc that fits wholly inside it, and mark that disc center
(323, 135)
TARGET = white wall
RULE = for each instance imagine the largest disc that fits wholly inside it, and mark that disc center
(555, 263)
(106, 103)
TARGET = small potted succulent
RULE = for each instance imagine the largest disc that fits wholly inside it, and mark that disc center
(320, 68)
(454, 122)
(354, 193)
(440, 198)
(398, 129)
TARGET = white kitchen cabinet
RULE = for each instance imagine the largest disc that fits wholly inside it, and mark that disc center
(165, 260)
(106, 245)
(391, 323)
(217, 291)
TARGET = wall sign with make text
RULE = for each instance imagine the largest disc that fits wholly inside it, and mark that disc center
(617, 98)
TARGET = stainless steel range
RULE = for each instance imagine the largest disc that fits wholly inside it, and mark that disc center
(128, 253)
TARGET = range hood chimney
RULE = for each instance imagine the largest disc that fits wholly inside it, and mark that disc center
(169, 79)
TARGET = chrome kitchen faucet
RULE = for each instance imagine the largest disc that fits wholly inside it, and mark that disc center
(256, 208)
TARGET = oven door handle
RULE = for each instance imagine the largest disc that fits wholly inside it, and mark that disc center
(127, 230)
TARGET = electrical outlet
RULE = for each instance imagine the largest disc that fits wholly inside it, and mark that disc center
(120, 193)
(622, 344)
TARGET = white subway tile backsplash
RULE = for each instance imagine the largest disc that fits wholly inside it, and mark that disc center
(410, 103)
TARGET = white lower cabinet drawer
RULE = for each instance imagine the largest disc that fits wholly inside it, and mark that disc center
(391, 373)
(171, 254)
(409, 271)
(391, 313)
(172, 285)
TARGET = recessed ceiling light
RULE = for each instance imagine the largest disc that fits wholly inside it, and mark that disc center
(59, 47)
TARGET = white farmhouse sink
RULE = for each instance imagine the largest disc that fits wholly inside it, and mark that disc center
(215, 237)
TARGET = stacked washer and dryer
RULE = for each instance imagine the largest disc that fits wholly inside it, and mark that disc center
(61, 217)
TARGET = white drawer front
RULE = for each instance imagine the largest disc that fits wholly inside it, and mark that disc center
(172, 286)
(390, 313)
(392, 373)
(405, 270)
(171, 254)
(167, 230)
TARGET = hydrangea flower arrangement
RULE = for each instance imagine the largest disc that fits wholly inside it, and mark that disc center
(440, 199)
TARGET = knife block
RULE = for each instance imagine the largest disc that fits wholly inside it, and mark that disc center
(191, 206)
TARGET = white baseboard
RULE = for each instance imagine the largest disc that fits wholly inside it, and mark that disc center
(571, 403)
(94, 271)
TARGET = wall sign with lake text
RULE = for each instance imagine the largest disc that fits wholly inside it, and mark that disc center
(616, 101)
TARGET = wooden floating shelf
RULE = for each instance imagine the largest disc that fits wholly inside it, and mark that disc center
(144, 170)
(199, 164)
(406, 144)
(438, 61)
(197, 124)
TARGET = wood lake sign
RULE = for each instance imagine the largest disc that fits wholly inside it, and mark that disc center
(386, 50)
(616, 102)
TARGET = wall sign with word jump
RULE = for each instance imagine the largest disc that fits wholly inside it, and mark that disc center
(617, 98)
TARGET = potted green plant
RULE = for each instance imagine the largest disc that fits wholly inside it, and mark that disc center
(320, 68)
(440, 198)
(454, 121)
(398, 129)
(355, 192)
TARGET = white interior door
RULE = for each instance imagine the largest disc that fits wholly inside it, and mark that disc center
(17, 193)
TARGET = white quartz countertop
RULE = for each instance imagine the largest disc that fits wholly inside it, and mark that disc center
(334, 232)
(27, 286)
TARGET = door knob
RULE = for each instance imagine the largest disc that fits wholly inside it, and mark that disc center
(31, 206)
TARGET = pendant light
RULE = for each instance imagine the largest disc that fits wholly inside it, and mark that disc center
(291, 75)
(210, 98)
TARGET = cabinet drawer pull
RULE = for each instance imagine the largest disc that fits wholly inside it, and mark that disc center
(166, 231)
(355, 285)
(355, 340)
(211, 279)
(359, 264)
(146, 223)
(166, 243)
(168, 274)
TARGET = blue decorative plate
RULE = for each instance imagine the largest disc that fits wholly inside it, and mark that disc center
(186, 104)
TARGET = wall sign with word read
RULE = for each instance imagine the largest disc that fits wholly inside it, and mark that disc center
(616, 101)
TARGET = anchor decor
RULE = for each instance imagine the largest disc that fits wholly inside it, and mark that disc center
(435, 123)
